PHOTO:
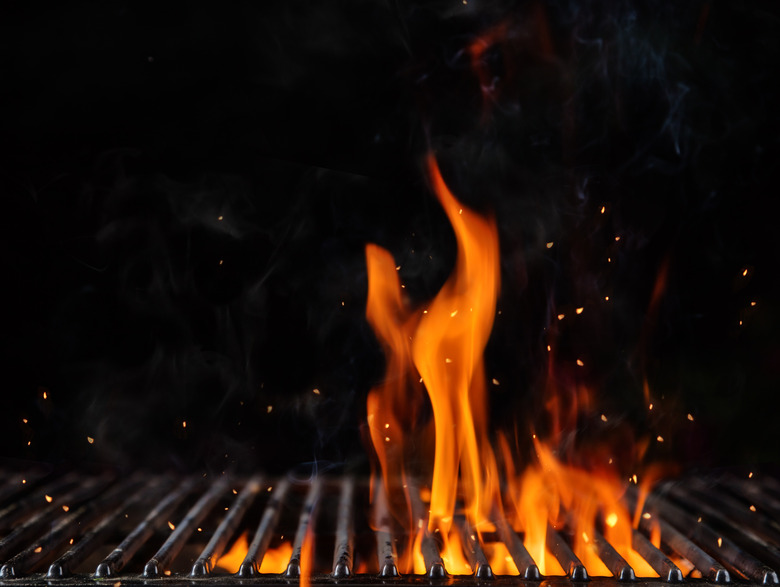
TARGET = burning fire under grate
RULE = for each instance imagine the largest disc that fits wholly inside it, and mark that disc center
(79, 527)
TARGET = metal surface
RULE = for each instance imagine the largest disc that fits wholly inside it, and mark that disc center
(77, 529)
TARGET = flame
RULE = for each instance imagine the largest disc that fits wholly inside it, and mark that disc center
(307, 558)
(439, 347)
(275, 559)
(232, 559)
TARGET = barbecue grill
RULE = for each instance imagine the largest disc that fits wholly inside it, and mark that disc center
(81, 528)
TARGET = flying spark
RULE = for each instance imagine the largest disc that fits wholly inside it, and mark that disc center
(579, 310)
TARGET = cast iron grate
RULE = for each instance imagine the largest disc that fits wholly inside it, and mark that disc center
(83, 528)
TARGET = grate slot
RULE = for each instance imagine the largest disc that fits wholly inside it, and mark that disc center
(386, 553)
(523, 560)
(477, 559)
(666, 569)
(162, 559)
(565, 555)
(216, 546)
(63, 566)
(262, 538)
(116, 561)
(306, 524)
(345, 538)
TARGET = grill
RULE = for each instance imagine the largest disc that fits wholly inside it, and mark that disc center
(78, 527)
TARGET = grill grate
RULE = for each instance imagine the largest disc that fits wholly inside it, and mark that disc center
(82, 528)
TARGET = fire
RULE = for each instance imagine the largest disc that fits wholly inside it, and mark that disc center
(232, 559)
(439, 347)
(274, 561)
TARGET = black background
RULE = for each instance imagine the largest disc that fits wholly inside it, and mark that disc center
(130, 128)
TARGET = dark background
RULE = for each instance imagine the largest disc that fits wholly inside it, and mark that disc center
(186, 194)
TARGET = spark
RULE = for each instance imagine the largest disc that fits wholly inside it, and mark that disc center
(579, 310)
(342, 303)
(270, 487)
(580, 363)
(48, 498)
(659, 438)
(634, 478)
(219, 218)
(397, 267)
(612, 519)
(550, 245)
(235, 492)
(220, 261)
(585, 537)
(752, 303)
(387, 439)
(610, 460)
(752, 508)
(744, 273)
(606, 298)
(39, 549)
(647, 515)
(90, 440)
(690, 417)
(315, 391)
(720, 542)
(460, 211)
(171, 526)
(184, 424)
(699, 520)
(603, 209)
(495, 381)
(453, 313)
(425, 311)
(24, 420)
(617, 238)
(269, 409)
(447, 360)
(387, 425)
(70, 541)
(609, 259)
(167, 573)
(650, 407)
(549, 348)
(200, 529)
(24, 481)
(603, 418)
(65, 508)
(44, 395)
(561, 316)
(750, 475)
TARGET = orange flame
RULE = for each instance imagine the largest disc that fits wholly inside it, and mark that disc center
(232, 559)
(275, 559)
(439, 347)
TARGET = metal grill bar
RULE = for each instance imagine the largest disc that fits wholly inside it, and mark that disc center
(263, 535)
(161, 561)
(565, 555)
(523, 561)
(216, 546)
(116, 561)
(616, 564)
(306, 523)
(63, 566)
(721, 546)
(342, 553)
(474, 552)
(666, 569)
(386, 552)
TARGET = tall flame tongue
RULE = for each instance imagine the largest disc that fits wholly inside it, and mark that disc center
(444, 344)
